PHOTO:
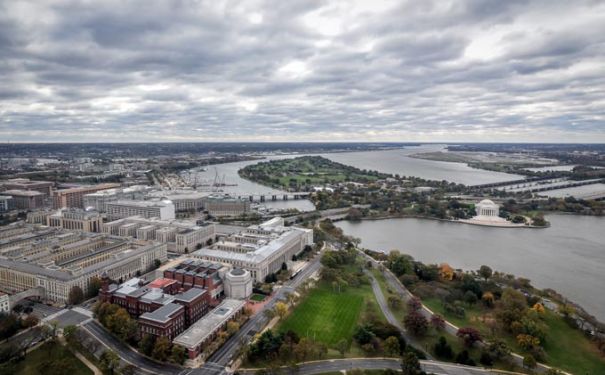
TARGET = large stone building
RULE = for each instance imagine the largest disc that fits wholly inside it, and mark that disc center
(487, 208)
(181, 236)
(98, 201)
(7, 203)
(161, 209)
(74, 197)
(55, 260)
(218, 206)
(69, 218)
(44, 187)
(238, 283)
(76, 219)
(26, 199)
(260, 249)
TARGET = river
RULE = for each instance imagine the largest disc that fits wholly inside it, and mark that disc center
(568, 257)
(388, 161)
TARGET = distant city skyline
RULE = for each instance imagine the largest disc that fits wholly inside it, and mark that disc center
(302, 71)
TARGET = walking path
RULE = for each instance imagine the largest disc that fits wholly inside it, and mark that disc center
(450, 328)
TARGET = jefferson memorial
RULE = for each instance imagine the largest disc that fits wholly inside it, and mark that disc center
(487, 208)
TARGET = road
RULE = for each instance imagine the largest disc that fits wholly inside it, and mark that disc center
(225, 353)
(126, 353)
(319, 367)
(382, 303)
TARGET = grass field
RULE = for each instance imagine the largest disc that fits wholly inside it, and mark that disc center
(51, 358)
(257, 297)
(329, 316)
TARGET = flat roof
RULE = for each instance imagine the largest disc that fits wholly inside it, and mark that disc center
(161, 282)
(206, 326)
(163, 314)
(190, 295)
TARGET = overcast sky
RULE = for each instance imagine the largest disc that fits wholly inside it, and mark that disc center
(285, 70)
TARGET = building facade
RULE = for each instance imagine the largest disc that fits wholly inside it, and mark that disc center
(180, 236)
(76, 219)
(163, 210)
(26, 199)
(74, 197)
(260, 249)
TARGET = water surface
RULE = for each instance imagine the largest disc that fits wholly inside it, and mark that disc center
(568, 257)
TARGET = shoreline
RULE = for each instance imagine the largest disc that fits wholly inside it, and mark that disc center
(446, 220)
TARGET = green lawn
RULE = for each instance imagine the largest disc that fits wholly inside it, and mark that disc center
(328, 316)
(51, 358)
(257, 297)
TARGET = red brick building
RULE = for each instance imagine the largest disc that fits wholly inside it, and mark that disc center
(155, 304)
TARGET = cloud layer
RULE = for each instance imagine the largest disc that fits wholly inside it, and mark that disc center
(483, 70)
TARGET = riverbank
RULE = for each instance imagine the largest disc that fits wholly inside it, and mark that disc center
(568, 256)
(460, 221)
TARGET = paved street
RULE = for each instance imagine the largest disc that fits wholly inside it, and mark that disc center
(127, 354)
(319, 367)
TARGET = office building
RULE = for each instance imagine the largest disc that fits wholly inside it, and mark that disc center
(26, 199)
(74, 197)
(161, 209)
(260, 249)
(180, 236)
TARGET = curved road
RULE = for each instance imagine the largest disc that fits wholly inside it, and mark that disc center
(320, 367)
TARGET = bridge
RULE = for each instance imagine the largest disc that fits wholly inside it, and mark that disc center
(274, 196)
(14, 299)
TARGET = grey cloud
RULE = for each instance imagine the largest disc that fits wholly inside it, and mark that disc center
(269, 70)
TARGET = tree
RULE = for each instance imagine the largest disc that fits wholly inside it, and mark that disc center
(281, 309)
(464, 358)
(394, 302)
(76, 295)
(161, 349)
(392, 347)
(469, 335)
(128, 369)
(30, 321)
(414, 304)
(232, 327)
(146, 344)
(410, 364)
(498, 349)
(70, 334)
(528, 342)
(442, 349)
(529, 361)
(485, 272)
(109, 361)
(177, 355)
(437, 322)
(488, 299)
(342, 346)
(416, 323)
(94, 285)
(269, 313)
(157, 263)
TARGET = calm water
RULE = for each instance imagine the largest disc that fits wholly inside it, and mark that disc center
(399, 162)
(568, 257)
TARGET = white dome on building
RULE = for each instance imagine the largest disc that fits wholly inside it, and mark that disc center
(487, 208)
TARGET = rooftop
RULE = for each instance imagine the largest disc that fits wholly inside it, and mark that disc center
(163, 314)
(206, 326)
